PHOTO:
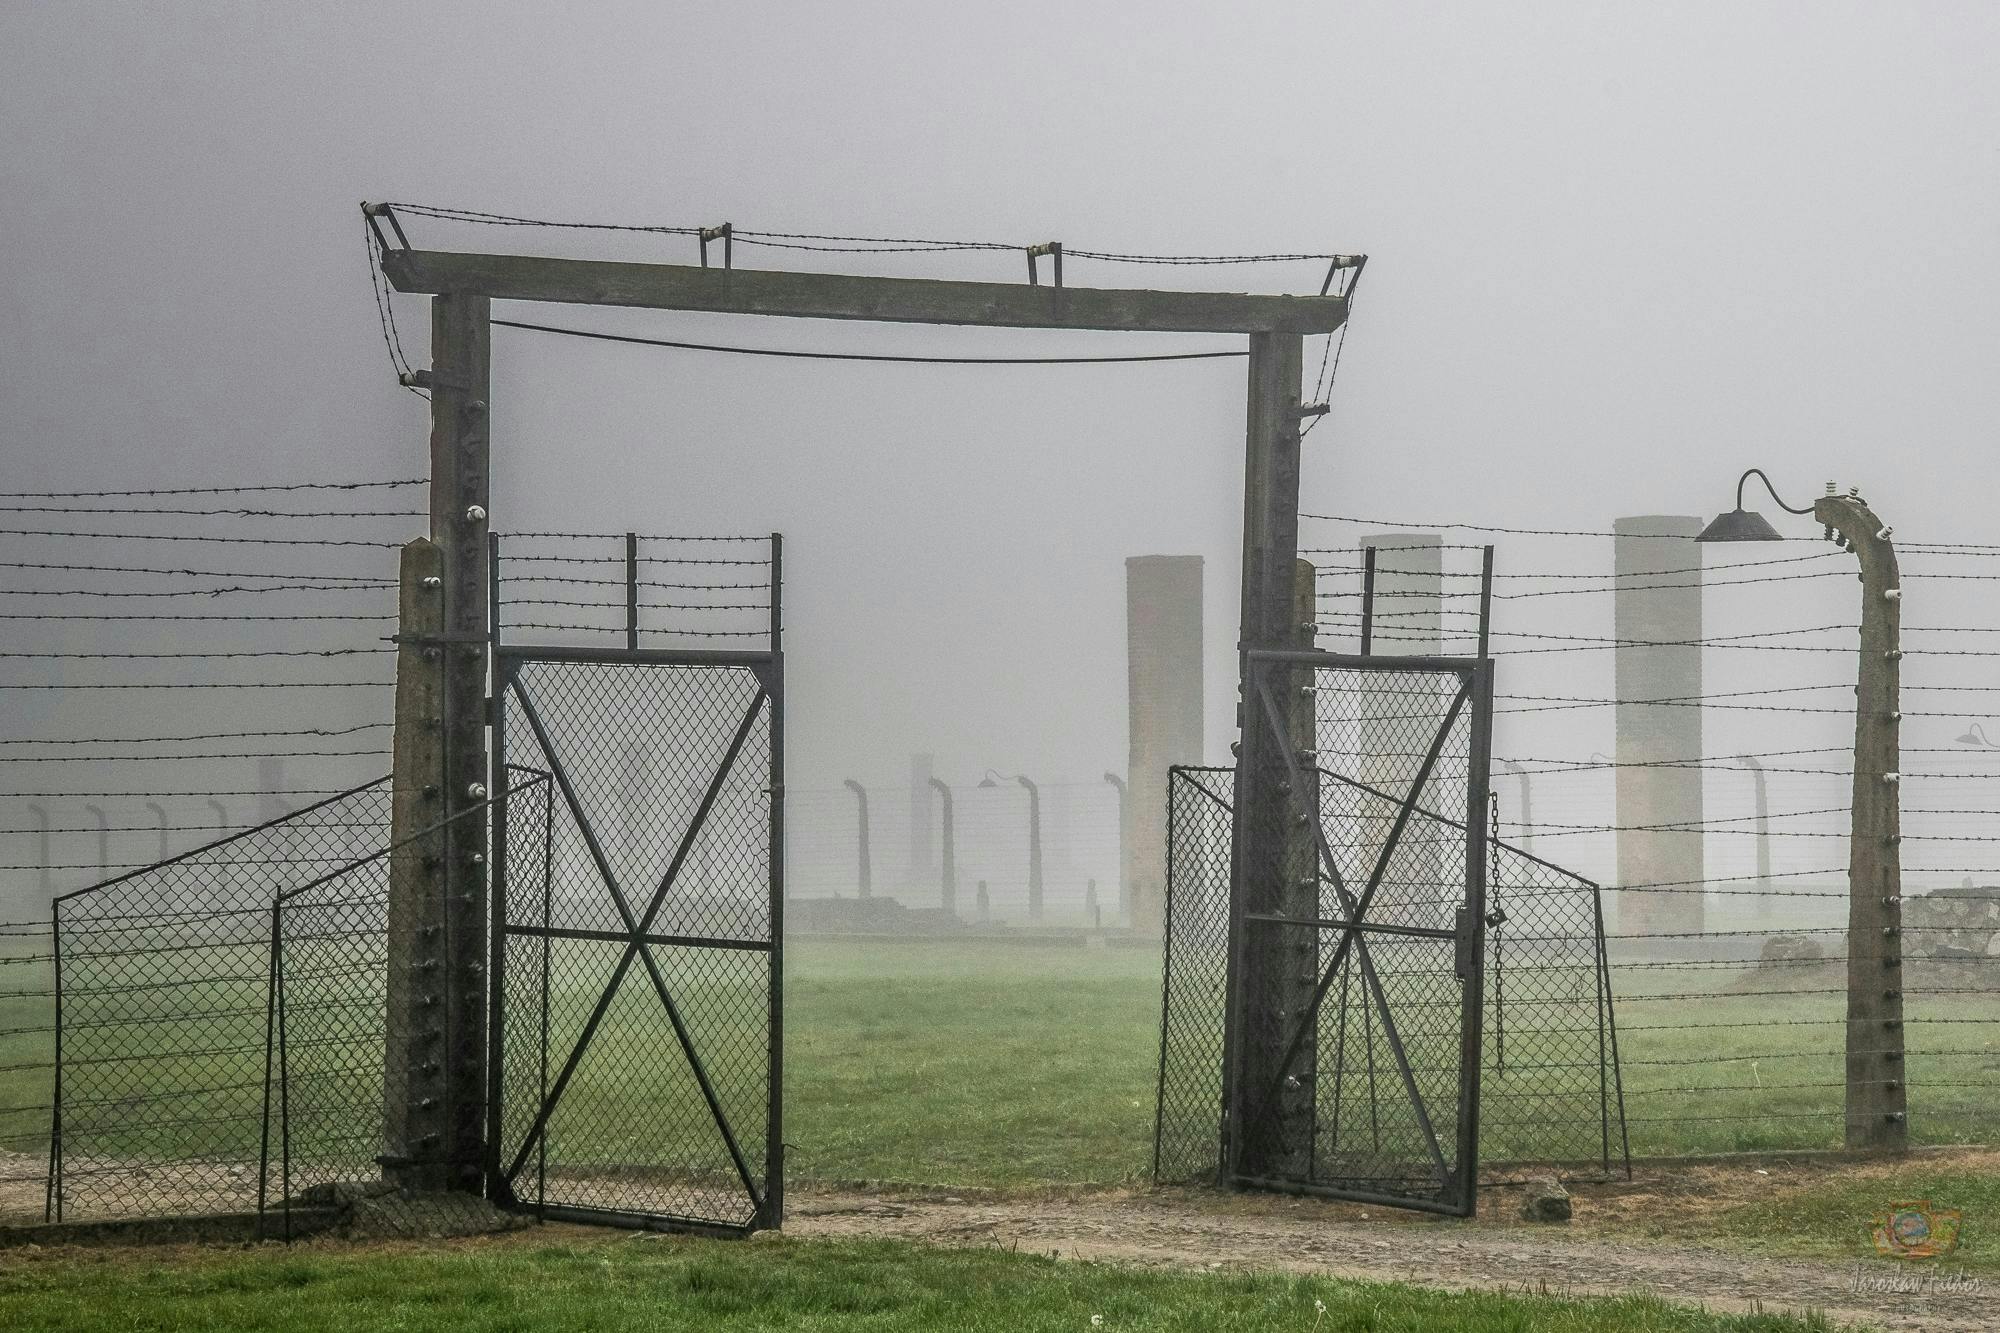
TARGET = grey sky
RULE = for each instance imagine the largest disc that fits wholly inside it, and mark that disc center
(1618, 253)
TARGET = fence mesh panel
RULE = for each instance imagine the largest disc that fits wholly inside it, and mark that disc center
(331, 1025)
(1188, 1124)
(1551, 1089)
(653, 1058)
(27, 1067)
(164, 980)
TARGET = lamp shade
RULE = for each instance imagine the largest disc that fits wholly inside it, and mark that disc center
(1740, 525)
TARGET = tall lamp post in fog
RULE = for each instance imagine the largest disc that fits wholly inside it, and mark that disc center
(103, 839)
(1877, 1107)
(993, 779)
(1763, 834)
(1975, 734)
(221, 814)
(1527, 820)
(41, 814)
(160, 813)
(947, 852)
(867, 873)
(1124, 834)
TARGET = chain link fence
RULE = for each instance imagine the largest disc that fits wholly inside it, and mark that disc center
(1382, 1058)
(209, 1035)
(163, 980)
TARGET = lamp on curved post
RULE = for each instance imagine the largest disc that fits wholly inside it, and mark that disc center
(1975, 734)
(866, 868)
(103, 838)
(1124, 908)
(993, 779)
(41, 814)
(948, 880)
(1527, 819)
(160, 813)
(1763, 796)
(1877, 1107)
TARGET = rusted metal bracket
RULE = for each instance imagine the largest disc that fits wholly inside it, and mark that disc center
(375, 213)
(1053, 249)
(726, 233)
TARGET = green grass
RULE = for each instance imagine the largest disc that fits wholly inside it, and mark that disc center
(1764, 1072)
(919, 1061)
(1831, 1219)
(973, 1065)
(664, 1283)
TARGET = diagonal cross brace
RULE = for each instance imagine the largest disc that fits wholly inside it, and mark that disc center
(1356, 911)
(635, 947)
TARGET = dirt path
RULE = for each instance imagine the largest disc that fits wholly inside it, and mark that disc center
(1306, 1236)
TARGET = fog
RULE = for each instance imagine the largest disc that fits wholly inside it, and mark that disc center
(1616, 256)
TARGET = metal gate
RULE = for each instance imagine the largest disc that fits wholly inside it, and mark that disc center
(638, 979)
(1353, 1039)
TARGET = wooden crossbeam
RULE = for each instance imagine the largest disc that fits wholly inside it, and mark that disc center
(741, 291)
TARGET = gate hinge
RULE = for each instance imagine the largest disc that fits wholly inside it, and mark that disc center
(1467, 953)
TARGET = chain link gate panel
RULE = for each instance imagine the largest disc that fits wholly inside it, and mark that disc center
(1357, 940)
(638, 988)
(1502, 1045)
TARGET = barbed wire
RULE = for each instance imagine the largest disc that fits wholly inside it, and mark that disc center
(214, 653)
(210, 685)
(385, 312)
(197, 736)
(178, 758)
(641, 536)
(1516, 532)
(823, 241)
(620, 583)
(619, 560)
(237, 618)
(643, 606)
(179, 795)
(196, 592)
(189, 537)
(91, 830)
(147, 511)
(1502, 574)
(643, 629)
(220, 490)
(1613, 589)
(331, 580)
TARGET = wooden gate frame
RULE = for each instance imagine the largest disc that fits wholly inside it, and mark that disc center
(463, 287)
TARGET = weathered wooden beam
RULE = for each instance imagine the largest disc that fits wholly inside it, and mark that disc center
(741, 291)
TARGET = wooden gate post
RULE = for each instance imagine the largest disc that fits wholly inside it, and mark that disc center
(1271, 980)
(436, 1090)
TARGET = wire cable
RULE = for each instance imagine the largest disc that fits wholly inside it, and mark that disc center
(795, 354)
